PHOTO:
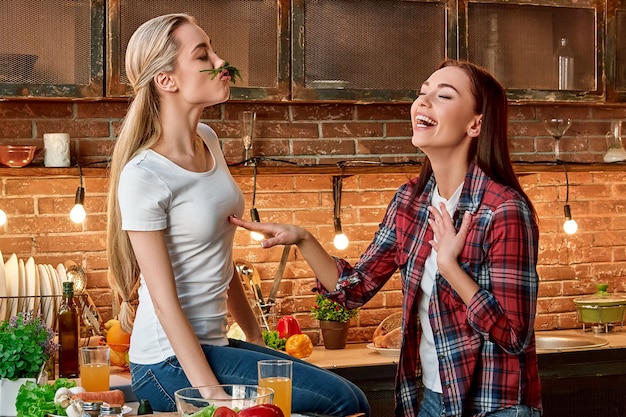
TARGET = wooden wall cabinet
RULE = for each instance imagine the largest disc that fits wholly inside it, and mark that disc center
(319, 50)
(51, 48)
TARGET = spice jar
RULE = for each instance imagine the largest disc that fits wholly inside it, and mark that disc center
(110, 410)
(91, 408)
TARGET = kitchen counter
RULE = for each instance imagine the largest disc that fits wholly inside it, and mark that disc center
(568, 376)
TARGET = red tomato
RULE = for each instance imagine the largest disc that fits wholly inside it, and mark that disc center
(224, 412)
(262, 410)
(287, 326)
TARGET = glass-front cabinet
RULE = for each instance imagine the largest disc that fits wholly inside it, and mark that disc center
(330, 50)
(51, 48)
(550, 50)
(368, 50)
(252, 35)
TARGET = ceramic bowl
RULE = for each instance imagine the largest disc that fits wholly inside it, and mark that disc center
(17, 156)
(240, 397)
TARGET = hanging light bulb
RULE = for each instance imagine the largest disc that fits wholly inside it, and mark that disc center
(569, 226)
(78, 214)
(254, 215)
(341, 240)
(3, 217)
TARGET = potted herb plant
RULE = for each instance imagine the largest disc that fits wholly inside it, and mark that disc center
(26, 344)
(334, 321)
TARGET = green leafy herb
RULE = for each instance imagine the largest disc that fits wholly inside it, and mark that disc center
(35, 400)
(26, 343)
(327, 309)
(232, 71)
(273, 340)
(205, 412)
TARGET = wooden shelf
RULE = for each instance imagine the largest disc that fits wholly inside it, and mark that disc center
(348, 169)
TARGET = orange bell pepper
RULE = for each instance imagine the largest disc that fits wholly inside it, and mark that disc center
(299, 346)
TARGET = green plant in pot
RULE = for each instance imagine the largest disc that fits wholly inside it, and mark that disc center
(334, 321)
(26, 345)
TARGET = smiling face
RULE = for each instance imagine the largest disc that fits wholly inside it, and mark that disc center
(442, 116)
(196, 54)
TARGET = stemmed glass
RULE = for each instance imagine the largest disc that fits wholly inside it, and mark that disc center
(247, 119)
(557, 128)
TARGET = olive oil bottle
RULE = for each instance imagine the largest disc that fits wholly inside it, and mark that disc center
(68, 321)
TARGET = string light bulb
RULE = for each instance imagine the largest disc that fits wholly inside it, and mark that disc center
(3, 217)
(341, 241)
(569, 226)
(254, 214)
(78, 213)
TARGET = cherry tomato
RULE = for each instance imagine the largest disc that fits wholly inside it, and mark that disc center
(262, 410)
(224, 412)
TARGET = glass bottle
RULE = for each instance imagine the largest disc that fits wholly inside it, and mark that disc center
(68, 326)
(564, 57)
(615, 147)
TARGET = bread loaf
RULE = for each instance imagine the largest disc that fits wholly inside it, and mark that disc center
(388, 334)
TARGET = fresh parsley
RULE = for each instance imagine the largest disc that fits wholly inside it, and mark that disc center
(232, 71)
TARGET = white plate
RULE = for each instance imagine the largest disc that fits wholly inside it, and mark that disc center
(21, 270)
(57, 285)
(13, 283)
(48, 310)
(384, 351)
(32, 285)
(4, 305)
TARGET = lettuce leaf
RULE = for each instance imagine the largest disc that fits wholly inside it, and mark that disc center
(38, 400)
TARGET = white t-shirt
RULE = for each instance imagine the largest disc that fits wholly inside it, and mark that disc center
(428, 354)
(192, 209)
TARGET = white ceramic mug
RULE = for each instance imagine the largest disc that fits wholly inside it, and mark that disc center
(57, 150)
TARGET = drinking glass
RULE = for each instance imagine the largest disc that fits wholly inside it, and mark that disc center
(247, 119)
(95, 368)
(277, 375)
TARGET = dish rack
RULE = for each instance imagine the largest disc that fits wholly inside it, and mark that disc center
(48, 307)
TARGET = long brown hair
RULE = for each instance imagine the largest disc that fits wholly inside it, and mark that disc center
(151, 50)
(491, 149)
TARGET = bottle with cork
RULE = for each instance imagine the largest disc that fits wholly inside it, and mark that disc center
(68, 321)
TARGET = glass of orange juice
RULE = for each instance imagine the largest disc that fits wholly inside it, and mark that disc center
(277, 374)
(95, 368)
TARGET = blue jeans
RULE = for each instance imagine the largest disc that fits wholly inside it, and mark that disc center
(432, 406)
(314, 389)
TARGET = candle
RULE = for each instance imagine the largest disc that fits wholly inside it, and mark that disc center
(57, 149)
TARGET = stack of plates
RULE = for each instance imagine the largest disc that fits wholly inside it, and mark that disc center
(30, 287)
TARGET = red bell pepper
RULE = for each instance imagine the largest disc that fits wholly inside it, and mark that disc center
(262, 410)
(287, 326)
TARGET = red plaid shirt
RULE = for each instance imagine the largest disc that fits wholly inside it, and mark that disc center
(486, 350)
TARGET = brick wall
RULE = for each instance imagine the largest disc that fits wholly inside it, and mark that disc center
(37, 200)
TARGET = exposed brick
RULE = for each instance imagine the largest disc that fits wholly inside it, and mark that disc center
(352, 129)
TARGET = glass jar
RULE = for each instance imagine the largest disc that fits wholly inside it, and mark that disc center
(110, 410)
(91, 408)
(615, 147)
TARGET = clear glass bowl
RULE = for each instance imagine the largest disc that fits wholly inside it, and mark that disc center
(237, 397)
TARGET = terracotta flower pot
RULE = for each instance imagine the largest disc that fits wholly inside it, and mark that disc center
(334, 334)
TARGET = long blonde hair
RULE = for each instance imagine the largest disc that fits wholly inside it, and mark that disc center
(151, 49)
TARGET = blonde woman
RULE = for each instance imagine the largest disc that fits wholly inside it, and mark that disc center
(169, 239)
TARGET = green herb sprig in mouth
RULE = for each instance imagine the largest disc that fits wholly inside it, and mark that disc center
(232, 71)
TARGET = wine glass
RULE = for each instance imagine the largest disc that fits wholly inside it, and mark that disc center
(247, 119)
(557, 128)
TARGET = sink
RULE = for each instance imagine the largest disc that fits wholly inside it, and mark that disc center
(568, 342)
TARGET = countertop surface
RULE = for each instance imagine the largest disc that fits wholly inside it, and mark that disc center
(359, 354)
